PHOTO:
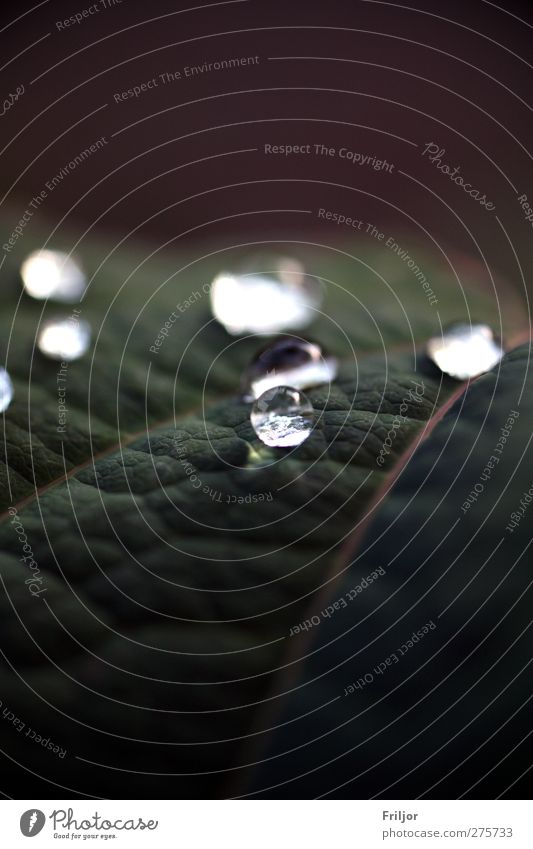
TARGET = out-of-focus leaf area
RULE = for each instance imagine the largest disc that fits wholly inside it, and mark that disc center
(157, 560)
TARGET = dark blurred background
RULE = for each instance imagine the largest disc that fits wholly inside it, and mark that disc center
(183, 167)
(185, 159)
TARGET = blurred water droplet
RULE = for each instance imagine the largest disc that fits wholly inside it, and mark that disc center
(53, 274)
(272, 296)
(282, 417)
(64, 339)
(465, 350)
(289, 361)
(6, 390)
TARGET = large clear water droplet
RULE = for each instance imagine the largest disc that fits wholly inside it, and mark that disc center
(6, 390)
(465, 350)
(64, 339)
(53, 274)
(290, 361)
(270, 297)
(282, 417)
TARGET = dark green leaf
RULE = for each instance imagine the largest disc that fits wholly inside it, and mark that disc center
(174, 550)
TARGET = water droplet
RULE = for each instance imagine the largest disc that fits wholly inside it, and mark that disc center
(6, 390)
(64, 339)
(53, 274)
(465, 350)
(282, 417)
(290, 361)
(272, 296)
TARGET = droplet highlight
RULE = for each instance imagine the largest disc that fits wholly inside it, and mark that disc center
(465, 350)
(53, 274)
(6, 390)
(276, 295)
(289, 361)
(64, 339)
(282, 417)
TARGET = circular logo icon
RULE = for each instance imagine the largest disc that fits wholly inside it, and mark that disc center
(32, 822)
